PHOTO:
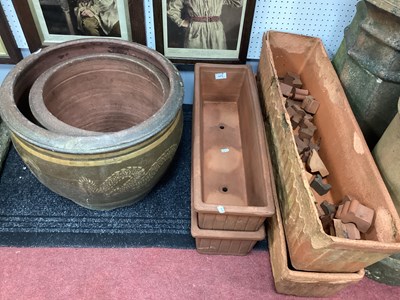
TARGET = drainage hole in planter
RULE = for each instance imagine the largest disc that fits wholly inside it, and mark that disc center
(224, 189)
(221, 126)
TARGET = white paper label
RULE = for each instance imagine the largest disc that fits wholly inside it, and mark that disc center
(221, 209)
(219, 76)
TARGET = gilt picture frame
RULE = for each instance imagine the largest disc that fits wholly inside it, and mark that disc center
(203, 31)
(47, 22)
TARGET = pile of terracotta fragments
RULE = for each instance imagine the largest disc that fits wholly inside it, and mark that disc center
(350, 217)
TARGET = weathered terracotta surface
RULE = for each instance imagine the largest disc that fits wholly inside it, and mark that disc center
(105, 170)
(293, 282)
(230, 175)
(224, 242)
(99, 93)
(344, 152)
(386, 154)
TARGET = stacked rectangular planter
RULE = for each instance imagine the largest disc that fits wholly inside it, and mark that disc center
(346, 155)
(232, 185)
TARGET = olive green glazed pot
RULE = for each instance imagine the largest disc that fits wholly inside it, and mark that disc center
(106, 170)
(368, 65)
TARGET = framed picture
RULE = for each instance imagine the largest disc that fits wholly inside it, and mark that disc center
(47, 22)
(190, 31)
(9, 52)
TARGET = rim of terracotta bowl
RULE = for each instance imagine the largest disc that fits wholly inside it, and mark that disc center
(15, 88)
(48, 120)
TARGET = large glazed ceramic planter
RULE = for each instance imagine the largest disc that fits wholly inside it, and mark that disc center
(100, 171)
(344, 152)
(231, 177)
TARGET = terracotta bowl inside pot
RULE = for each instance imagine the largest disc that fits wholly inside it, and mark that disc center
(125, 158)
(16, 86)
(94, 94)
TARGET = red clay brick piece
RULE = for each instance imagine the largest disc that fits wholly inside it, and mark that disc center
(305, 123)
(352, 231)
(348, 231)
(287, 90)
(299, 110)
(306, 133)
(291, 111)
(289, 78)
(297, 83)
(309, 117)
(293, 75)
(305, 155)
(340, 230)
(313, 146)
(299, 97)
(291, 102)
(310, 177)
(354, 212)
(299, 91)
(315, 164)
(310, 105)
(296, 119)
(301, 145)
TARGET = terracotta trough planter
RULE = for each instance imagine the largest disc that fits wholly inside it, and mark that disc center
(344, 152)
(117, 161)
(299, 283)
(224, 242)
(232, 185)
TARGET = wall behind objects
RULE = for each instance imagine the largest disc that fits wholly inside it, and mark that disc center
(324, 19)
(320, 18)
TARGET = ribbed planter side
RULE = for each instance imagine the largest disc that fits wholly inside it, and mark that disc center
(368, 65)
(223, 242)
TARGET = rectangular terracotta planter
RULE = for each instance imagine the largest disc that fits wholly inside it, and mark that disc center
(230, 175)
(224, 242)
(344, 152)
(299, 283)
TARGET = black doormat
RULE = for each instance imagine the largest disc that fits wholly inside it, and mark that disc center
(33, 216)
